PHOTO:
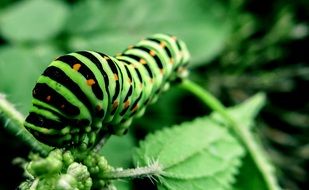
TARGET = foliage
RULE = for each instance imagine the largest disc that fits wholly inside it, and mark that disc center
(199, 161)
(238, 48)
(169, 156)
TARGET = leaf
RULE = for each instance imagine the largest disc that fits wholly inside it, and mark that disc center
(203, 25)
(262, 177)
(33, 20)
(245, 114)
(194, 155)
(248, 168)
(246, 111)
(118, 151)
(123, 185)
(20, 67)
(83, 14)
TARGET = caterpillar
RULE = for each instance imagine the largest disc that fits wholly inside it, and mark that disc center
(86, 93)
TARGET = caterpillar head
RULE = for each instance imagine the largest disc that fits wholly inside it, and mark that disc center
(57, 132)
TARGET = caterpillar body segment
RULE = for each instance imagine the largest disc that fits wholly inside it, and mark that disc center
(83, 93)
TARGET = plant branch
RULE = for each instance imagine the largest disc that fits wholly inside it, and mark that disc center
(153, 169)
(13, 122)
(242, 132)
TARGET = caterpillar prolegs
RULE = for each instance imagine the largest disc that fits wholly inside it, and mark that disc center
(83, 93)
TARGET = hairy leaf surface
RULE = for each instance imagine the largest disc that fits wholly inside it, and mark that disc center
(194, 155)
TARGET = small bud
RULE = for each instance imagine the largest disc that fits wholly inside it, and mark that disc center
(66, 182)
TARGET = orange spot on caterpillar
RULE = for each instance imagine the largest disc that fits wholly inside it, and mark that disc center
(135, 108)
(162, 71)
(116, 76)
(162, 44)
(90, 82)
(142, 61)
(48, 98)
(130, 81)
(98, 108)
(174, 38)
(181, 54)
(62, 106)
(126, 104)
(152, 53)
(115, 105)
(171, 61)
(76, 66)
(134, 65)
(130, 46)
(181, 69)
(106, 57)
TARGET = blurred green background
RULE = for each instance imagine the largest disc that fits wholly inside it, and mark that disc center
(238, 47)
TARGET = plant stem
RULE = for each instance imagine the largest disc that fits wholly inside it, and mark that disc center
(139, 172)
(242, 132)
(13, 121)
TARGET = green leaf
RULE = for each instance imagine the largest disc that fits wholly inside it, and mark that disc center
(246, 111)
(21, 67)
(203, 25)
(238, 126)
(118, 151)
(262, 176)
(248, 168)
(33, 20)
(250, 108)
(123, 185)
(194, 155)
(82, 17)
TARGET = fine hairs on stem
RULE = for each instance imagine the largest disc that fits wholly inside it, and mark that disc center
(153, 169)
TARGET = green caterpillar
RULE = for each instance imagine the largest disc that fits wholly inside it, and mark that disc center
(85, 95)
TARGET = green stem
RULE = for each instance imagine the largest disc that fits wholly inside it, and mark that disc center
(13, 121)
(139, 172)
(245, 136)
